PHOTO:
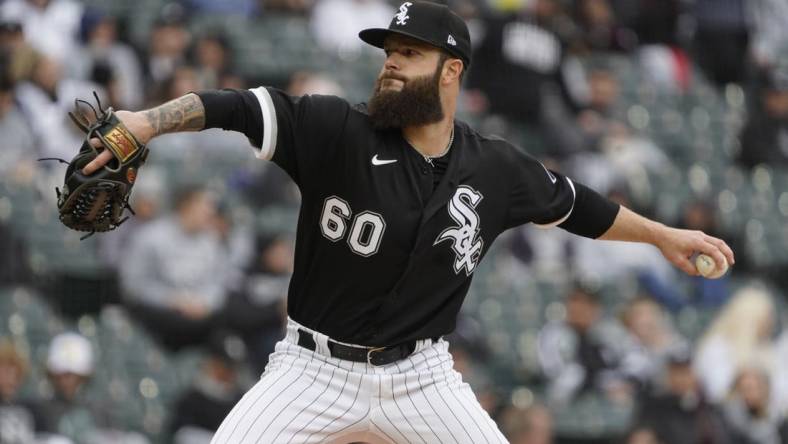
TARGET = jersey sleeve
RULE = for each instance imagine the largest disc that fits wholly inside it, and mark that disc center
(300, 134)
(536, 194)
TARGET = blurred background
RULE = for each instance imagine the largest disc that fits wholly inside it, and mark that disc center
(676, 108)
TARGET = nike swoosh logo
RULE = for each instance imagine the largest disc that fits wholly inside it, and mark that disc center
(378, 162)
(549, 174)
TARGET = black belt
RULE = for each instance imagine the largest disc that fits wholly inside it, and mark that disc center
(370, 355)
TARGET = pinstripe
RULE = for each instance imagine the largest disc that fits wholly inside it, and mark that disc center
(490, 423)
(251, 426)
(230, 417)
(319, 415)
(281, 410)
(435, 386)
(380, 397)
(394, 397)
(412, 364)
(360, 383)
(434, 410)
(298, 385)
(407, 391)
(271, 384)
(333, 370)
(467, 412)
(372, 423)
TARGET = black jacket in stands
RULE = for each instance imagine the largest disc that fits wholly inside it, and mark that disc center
(382, 257)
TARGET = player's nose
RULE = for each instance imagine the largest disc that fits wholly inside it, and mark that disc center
(391, 63)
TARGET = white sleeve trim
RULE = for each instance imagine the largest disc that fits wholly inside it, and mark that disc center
(561, 220)
(269, 123)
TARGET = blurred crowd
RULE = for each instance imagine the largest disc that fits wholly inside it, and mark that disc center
(201, 266)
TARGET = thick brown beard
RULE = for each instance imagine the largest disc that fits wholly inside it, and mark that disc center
(417, 103)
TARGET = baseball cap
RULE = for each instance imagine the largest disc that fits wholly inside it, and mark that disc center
(430, 23)
(70, 353)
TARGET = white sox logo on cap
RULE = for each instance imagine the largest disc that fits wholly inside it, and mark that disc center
(465, 242)
(402, 15)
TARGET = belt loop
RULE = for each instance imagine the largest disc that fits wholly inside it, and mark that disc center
(322, 344)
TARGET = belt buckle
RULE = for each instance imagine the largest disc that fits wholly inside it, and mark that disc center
(369, 354)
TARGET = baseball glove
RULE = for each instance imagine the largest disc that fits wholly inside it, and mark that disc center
(96, 203)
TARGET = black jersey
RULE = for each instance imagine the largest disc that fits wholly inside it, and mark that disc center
(382, 255)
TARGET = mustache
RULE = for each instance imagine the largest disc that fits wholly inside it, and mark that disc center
(392, 76)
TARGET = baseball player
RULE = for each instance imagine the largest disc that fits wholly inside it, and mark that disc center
(400, 202)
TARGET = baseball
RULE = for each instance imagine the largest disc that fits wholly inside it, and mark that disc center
(707, 267)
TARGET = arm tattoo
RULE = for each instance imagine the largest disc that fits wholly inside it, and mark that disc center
(182, 114)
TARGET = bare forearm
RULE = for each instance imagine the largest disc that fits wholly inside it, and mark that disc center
(632, 227)
(677, 245)
(185, 113)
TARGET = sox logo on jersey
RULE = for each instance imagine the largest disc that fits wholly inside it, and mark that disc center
(465, 242)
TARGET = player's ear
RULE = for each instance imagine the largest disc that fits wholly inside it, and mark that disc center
(452, 70)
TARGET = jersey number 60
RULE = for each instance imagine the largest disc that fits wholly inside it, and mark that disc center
(366, 232)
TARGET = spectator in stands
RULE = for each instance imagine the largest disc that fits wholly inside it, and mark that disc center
(50, 26)
(527, 55)
(19, 419)
(739, 337)
(69, 365)
(764, 139)
(212, 57)
(600, 28)
(767, 36)
(18, 57)
(530, 425)
(175, 272)
(753, 417)
(677, 411)
(722, 39)
(583, 129)
(147, 200)
(168, 44)
(109, 62)
(199, 411)
(18, 154)
(70, 413)
(258, 310)
(46, 100)
(354, 15)
(650, 328)
(585, 352)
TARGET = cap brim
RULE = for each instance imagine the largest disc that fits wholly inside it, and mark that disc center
(377, 36)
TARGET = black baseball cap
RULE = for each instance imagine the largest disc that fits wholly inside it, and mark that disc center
(430, 23)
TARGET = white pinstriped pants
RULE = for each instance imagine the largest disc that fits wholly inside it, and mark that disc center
(308, 397)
